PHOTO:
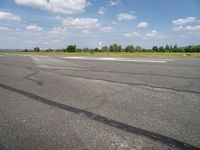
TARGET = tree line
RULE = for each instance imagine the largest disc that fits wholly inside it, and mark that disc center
(129, 48)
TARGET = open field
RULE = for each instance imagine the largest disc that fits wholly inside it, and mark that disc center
(116, 54)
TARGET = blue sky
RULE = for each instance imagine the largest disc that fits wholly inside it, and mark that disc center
(58, 23)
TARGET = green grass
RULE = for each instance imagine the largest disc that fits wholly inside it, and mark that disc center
(117, 54)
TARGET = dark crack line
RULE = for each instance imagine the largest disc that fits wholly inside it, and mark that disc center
(132, 84)
(35, 72)
(126, 73)
(28, 76)
(102, 102)
(105, 71)
(104, 120)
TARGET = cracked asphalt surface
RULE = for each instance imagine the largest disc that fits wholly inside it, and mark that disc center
(52, 102)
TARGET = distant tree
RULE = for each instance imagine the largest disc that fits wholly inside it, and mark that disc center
(155, 48)
(167, 48)
(170, 48)
(49, 50)
(105, 49)
(175, 46)
(196, 48)
(115, 48)
(138, 49)
(36, 49)
(96, 50)
(59, 50)
(78, 49)
(119, 48)
(130, 48)
(86, 49)
(180, 50)
(71, 48)
(161, 49)
(188, 49)
(64, 50)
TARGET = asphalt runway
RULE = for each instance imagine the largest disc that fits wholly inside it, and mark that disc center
(114, 103)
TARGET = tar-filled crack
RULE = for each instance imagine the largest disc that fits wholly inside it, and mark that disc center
(111, 81)
(105, 120)
(104, 98)
(28, 77)
(116, 72)
(106, 71)
(132, 84)
(35, 72)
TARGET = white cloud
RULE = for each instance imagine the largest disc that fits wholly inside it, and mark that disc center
(178, 28)
(193, 28)
(81, 22)
(58, 6)
(34, 27)
(86, 32)
(133, 34)
(142, 25)
(114, 2)
(8, 16)
(101, 11)
(183, 21)
(187, 28)
(59, 31)
(150, 35)
(107, 29)
(125, 16)
(4, 29)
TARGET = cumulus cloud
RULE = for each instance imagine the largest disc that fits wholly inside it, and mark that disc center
(114, 3)
(152, 34)
(193, 28)
(58, 6)
(187, 28)
(142, 25)
(81, 22)
(132, 34)
(9, 16)
(183, 21)
(34, 27)
(4, 29)
(149, 35)
(101, 11)
(178, 28)
(125, 16)
(59, 31)
(107, 29)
